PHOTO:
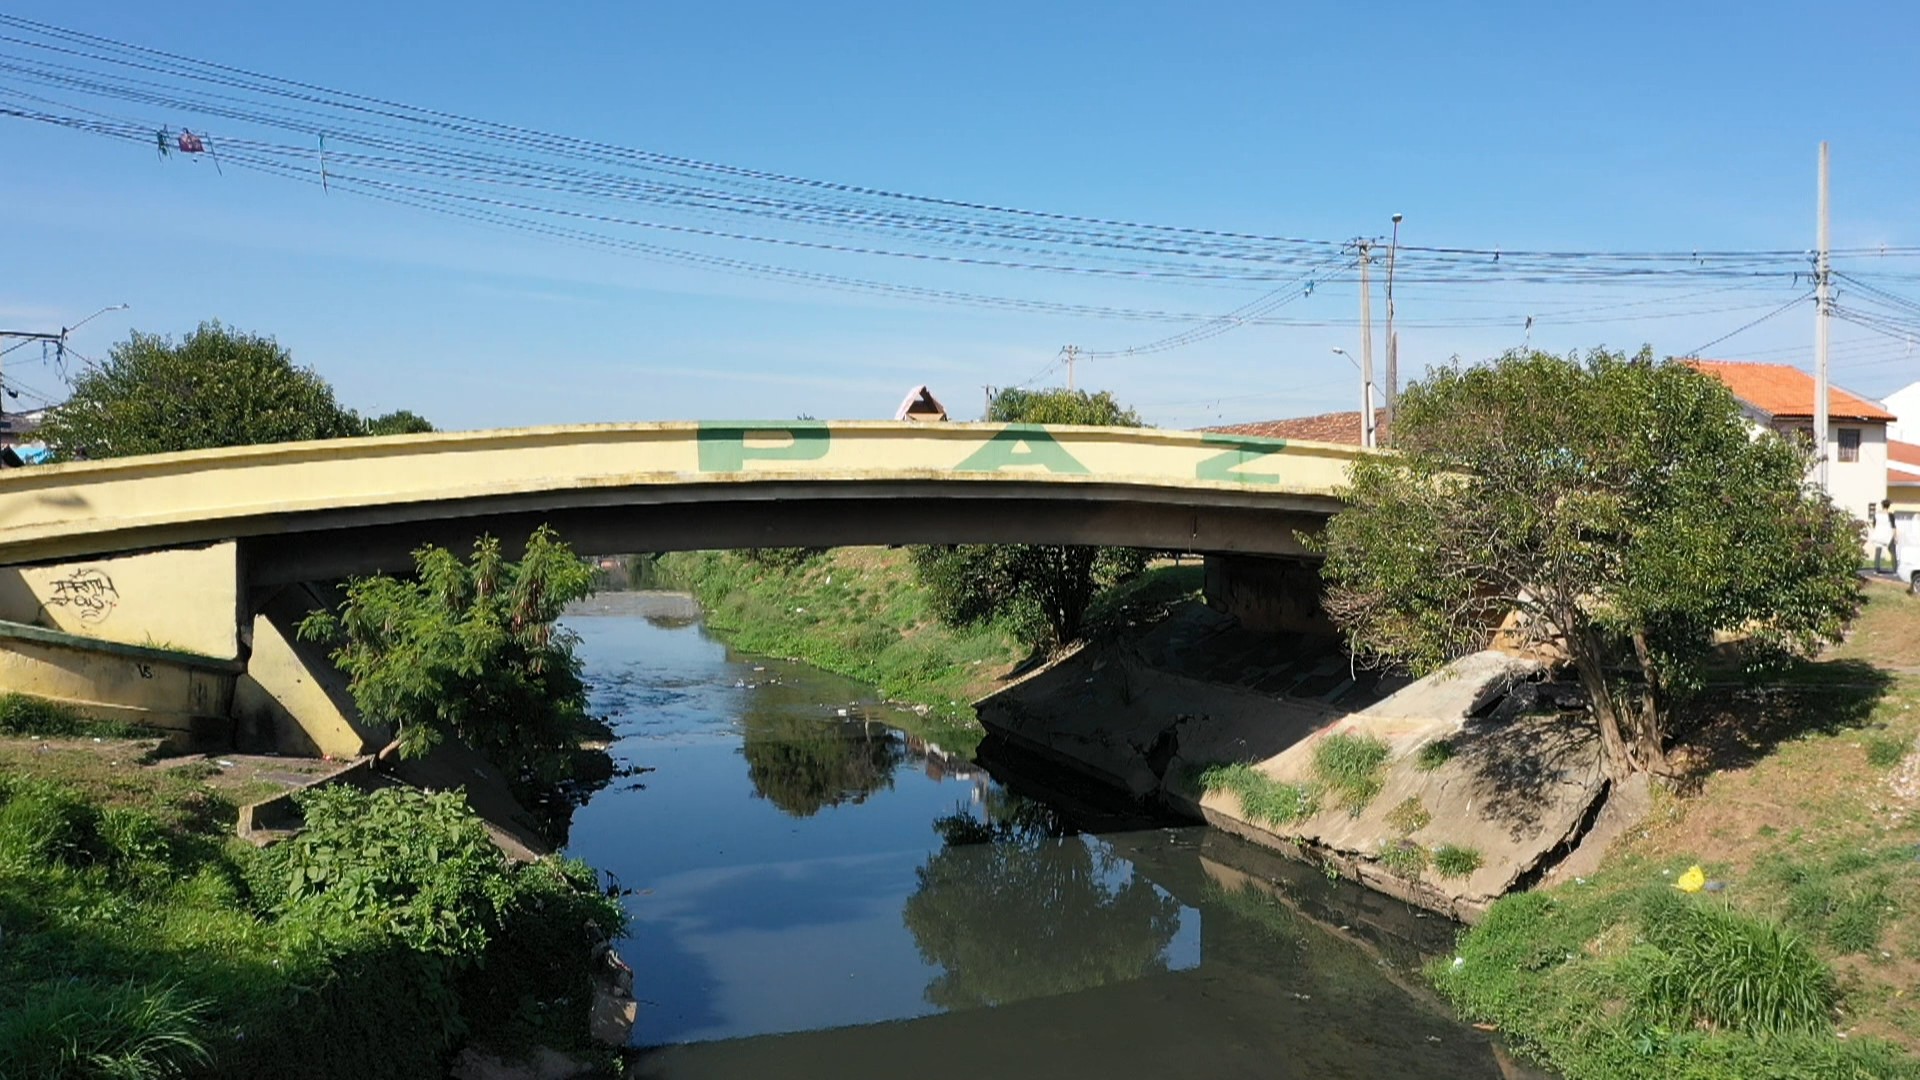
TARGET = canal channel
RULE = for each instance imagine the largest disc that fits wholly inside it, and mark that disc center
(816, 891)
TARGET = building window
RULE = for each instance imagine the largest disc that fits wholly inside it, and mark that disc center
(1849, 444)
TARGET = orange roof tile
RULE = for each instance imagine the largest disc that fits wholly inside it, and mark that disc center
(1339, 427)
(1785, 392)
(1903, 462)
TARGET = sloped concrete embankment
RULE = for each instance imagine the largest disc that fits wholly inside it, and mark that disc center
(1520, 788)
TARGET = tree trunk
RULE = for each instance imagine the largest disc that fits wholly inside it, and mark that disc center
(1649, 737)
(1615, 753)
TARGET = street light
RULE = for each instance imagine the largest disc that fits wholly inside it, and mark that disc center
(65, 330)
(1393, 343)
(1366, 400)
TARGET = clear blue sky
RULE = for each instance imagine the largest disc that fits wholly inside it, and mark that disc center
(1617, 126)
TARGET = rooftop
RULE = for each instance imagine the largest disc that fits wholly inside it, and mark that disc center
(1337, 427)
(1784, 392)
(1903, 462)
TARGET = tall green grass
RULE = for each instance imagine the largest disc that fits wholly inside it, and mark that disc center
(114, 1031)
(1263, 799)
(21, 714)
(1615, 980)
(1352, 767)
(1724, 970)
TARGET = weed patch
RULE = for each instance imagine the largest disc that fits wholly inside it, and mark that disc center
(1410, 816)
(1263, 799)
(1402, 858)
(1433, 754)
(1453, 861)
(21, 714)
(1351, 767)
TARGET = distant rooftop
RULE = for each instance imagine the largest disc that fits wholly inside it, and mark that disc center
(1336, 427)
(1903, 462)
(1784, 392)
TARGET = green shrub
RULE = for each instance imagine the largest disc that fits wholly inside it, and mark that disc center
(1453, 861)
(1433, 754)
(83, 1028)
(1351, 766)
(1263, 799)
(469, 651)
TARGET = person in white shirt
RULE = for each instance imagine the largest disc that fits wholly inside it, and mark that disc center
(1880, 536)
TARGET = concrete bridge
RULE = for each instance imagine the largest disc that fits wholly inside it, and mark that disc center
(324, 509)
(164, 588)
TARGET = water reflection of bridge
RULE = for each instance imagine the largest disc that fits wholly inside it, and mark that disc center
(1344, 1005)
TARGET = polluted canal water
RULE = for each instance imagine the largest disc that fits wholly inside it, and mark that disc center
(816, 892)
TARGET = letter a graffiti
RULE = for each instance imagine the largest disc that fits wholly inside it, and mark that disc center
(1021, 446)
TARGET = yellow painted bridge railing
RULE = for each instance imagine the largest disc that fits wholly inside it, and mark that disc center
(64, 511)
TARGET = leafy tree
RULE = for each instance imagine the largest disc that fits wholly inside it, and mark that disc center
(398, 422)
(469, 651)
(1012, 908)
(1618, 509)
(217, 387)
(1044, 590)
(1060, 407)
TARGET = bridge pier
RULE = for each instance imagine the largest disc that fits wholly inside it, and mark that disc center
(1270, 595)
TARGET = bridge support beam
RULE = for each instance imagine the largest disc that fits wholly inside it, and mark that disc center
(291, 698)
(1268, 594)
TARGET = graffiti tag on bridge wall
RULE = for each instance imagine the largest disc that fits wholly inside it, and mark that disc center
(88, 592)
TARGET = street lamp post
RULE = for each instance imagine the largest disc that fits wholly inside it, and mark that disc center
(1367, 438)
(1393, 342)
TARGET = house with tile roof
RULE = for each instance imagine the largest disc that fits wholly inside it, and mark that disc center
(1336, 427)
(1780, 397)
(1903, 475)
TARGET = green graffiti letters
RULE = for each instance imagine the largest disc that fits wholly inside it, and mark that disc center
(1019, 445)
(724, 447)
(1225, 465)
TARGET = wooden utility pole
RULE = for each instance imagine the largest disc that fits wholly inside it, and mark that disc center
(1821, 310)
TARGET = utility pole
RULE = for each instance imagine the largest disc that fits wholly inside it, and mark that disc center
(1368, 436)
(1393, 339)
(1072, 353)
(987, 413)
(1821, 311)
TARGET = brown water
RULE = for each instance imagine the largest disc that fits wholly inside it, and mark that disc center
(824, 895)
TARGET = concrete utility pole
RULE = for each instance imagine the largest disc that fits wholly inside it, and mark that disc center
(1072, 353)
(1821, 310)
(1367, 431)
(1393, 339)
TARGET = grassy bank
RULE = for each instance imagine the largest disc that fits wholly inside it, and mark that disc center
(855, 612)
(859, 612)
(139, 938)
(1801, 958)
